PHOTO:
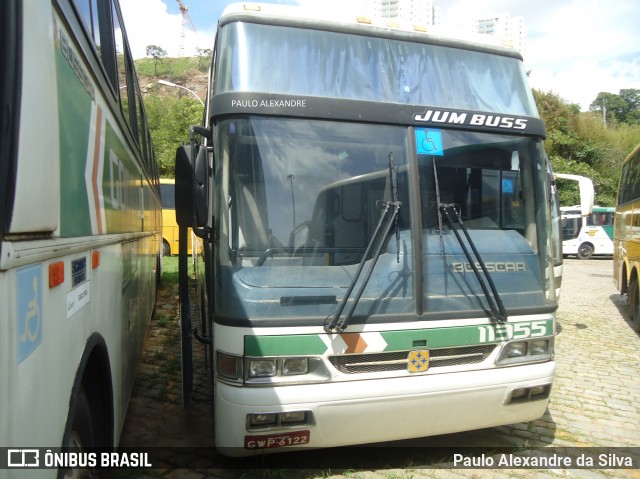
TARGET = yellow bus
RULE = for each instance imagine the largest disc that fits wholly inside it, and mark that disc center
(170, 241)
(626, 235)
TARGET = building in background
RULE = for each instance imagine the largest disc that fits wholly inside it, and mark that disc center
(502, 28)
(416, 12)
(509, 29)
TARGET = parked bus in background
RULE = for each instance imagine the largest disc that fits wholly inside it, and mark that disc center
(587, 194)
(80, 224)
(170, 236)
(379, 255)
(586, 236)
(626, 235)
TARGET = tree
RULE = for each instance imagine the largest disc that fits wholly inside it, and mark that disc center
(169, 120)
(611, 106)
(158, 53)
(632, 97)
(204, 55)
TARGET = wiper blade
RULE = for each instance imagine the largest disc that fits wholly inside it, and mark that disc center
(498, 313)
(394, 206)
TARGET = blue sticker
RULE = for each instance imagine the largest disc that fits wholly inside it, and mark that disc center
(507, 185)
(29, 309)
(429, 142)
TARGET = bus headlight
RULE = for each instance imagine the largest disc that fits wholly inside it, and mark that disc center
(516, 350)
(262, 368)
(284, 370)
(539, 346)
(529, 351)
(293, 366)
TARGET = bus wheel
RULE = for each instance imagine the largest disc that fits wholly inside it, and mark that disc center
(166, 249)
(634, 303)
(585, 250)
(81, 436)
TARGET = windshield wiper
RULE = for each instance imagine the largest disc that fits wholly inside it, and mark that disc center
(498, 313)
(390, 206)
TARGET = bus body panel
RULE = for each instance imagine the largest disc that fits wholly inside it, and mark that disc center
(80, 260)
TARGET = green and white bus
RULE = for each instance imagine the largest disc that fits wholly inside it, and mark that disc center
(379, 256)
(80, 224)
(587, 236)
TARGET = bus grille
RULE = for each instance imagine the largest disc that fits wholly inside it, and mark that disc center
(397, 360)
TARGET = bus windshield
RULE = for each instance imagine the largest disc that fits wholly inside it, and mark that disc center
(284, 60)
(298, 204)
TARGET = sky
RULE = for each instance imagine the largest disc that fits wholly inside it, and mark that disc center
(575, 48)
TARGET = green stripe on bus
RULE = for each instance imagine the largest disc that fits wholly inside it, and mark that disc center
(283, 345)
(74, 116)
(431, 338)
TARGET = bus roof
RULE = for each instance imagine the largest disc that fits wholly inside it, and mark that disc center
(349, 21)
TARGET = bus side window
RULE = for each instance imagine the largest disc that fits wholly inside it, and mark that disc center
(89, 12)
(122, 76)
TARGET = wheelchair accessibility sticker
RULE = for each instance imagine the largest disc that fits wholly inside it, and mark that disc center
(29, 309)
(429, 142)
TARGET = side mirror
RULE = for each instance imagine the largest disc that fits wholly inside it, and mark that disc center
(184, 190)
(587, 194)
(192, 181)
(201, 186)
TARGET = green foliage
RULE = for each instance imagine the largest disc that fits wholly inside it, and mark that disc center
(170, 270)
(169, 119)
(621, 108)
(157, 53)
(580, 143)
(204, 58)
(605, 186)
(173, 69)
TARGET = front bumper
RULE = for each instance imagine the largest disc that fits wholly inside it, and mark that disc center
(370, 411)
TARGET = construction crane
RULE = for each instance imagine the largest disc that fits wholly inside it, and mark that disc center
(184, 11)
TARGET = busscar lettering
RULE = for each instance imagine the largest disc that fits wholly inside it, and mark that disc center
(492, 267)
(468, 119)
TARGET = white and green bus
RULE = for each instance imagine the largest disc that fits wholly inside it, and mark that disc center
(587, 236)
(80, 224)
(377, 209)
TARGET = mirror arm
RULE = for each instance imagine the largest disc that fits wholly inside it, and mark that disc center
(206, 133)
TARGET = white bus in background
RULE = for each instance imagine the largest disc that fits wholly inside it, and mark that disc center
(587, 236)
(80, 226)
(587, 194)
(380, 240)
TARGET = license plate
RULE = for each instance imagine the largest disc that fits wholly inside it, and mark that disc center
(285, 439)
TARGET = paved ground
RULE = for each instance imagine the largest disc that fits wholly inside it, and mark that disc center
(594, 408)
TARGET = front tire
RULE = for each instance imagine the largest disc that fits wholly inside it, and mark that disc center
(585, 251)
(81, 436)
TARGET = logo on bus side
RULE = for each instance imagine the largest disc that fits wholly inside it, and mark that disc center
(29, 309)
(471, 119)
